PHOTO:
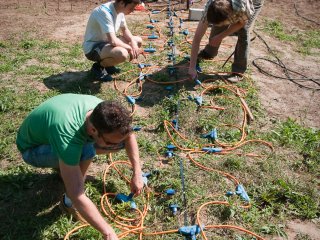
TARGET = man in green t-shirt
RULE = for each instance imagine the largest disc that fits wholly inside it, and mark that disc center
(66, 132)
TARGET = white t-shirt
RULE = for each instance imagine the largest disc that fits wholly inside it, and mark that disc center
(103, 19)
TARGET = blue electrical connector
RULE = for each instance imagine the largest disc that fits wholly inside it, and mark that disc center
(131, 100)
(153, 36)
(169, 154)
(211, 135)
(150, 26)
(124, 198)
(171, 147)
(190, 231)
(174, 208)
(198, 100)
(143, 65)
(155, 11)
(150, 50)
(240, 191)
(136, 128)
(198, 82)
(185, 32)
(198, 68)
(211, 149)
(170, 192)
(175, 123)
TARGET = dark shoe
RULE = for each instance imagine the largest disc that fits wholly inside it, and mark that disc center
(70, 211)
(204, 55)
(112, 70)
(234, 78)
(100, 73)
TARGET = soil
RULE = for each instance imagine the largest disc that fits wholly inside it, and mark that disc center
(65, 20)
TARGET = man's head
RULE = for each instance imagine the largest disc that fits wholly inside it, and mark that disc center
(219, 12)
(110, 120)
(128, 5)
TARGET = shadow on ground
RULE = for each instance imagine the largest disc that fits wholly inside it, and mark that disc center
(28, 204)
(73, 82)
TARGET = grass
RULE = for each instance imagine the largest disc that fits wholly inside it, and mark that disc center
(306, 42)
(282, 185)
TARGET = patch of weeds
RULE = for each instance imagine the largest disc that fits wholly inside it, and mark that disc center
(309, 40)
(233, 163)
(27, 43)
(282, 194)
(305, 140)
(273, 229)
(276, 29)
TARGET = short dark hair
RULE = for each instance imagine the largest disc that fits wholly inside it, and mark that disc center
(219, 11)
(110, 116)
(126, 2)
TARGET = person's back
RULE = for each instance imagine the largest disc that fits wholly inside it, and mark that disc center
(59, 122)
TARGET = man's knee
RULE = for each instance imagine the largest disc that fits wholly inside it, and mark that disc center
(121, 54)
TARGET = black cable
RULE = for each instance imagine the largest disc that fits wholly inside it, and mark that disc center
(286, 70)
(310, 20)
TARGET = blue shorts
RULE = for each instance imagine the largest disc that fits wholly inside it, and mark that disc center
(43, 156)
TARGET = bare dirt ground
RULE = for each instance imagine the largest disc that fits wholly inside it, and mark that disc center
(66, 20)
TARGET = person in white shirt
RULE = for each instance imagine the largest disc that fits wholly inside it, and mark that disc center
(103, 45)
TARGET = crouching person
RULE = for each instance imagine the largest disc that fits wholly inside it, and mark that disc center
(101, 43)
(65, 132)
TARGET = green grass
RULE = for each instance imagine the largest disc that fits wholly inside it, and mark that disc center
(282, 184)
(306, 42)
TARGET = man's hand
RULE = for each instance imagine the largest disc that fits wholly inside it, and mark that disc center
(136, 184)
(134, 52)
(111, 235)
(192, 72)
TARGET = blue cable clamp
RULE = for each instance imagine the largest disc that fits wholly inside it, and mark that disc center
(131, 100)
(150, 26)
(136, 128)
(174, 208)
(240, 191)
(211, 150)
(124, 198)
(169, 88)
(190, 231)
(153, 20)
(170, 192)
(198, 100)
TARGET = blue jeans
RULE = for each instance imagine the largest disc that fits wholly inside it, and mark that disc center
(43, 156)
(241, 52)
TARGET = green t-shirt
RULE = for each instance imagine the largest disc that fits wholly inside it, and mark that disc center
(59, 122)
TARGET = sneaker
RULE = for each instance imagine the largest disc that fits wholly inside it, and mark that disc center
(204, 55)
(100, 73)
(71, 211)
(112, 70)
(234, 78)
